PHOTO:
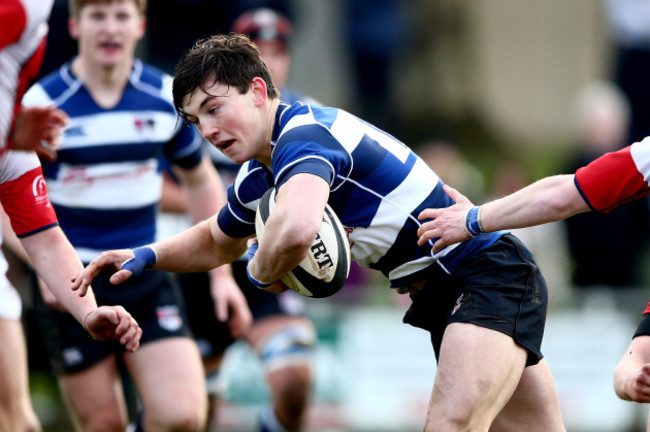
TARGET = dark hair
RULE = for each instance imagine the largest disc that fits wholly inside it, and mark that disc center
(228, 59)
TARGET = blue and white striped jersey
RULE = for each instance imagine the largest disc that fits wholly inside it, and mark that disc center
(378, 186)
(105, 185)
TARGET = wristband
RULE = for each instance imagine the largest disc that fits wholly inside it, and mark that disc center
(481, 228)
(255, 282)
(252, 249)
(145, 258)
(471, 222)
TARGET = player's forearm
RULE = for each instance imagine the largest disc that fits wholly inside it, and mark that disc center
(56, 262)
(193, 250)
(547, 200)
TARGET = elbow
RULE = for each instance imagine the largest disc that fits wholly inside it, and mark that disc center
(298, 236)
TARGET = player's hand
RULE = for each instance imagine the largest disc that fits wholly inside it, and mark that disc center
(109, 260)
(39, 129)
(448, 224)
(108, 323)
(230, 304)
(276, 287)
(637, 385)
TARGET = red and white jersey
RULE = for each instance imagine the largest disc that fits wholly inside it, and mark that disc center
(616, 178)
(23, 193)
(23, 28)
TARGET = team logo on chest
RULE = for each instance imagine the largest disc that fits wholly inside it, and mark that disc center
(144, 124)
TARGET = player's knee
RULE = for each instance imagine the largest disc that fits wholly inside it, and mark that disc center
(177, 421)
(288, 347)
(102, 423)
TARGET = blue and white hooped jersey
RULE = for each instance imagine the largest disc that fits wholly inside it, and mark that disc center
(378, 186)
(106, 184)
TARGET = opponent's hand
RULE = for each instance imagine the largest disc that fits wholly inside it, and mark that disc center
(113, 323)
(448, 224)
(39, 129)
(109, 260)
(636, 386)
(230, 304)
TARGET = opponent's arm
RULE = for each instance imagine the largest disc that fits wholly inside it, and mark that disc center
(632, 374)
(55, 261)
(547, 200)
(291, 227)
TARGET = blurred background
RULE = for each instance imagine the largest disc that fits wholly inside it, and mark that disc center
(493, 95)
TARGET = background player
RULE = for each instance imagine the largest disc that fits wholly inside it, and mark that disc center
(121, 122)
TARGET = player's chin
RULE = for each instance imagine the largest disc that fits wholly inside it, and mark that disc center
(277, 288)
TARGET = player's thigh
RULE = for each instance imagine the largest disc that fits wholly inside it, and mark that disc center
(94, 396)
(478, 371)
(534, 406)
(13, 360)
(169, 376)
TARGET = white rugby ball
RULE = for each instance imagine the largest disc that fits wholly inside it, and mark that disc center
(327, 265)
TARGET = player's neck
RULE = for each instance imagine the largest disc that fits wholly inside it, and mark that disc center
(265, 157)
(105, 84)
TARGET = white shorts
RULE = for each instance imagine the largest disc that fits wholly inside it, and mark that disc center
(10, 302)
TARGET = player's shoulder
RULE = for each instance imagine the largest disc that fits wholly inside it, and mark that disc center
(51, 87)
(150, 79)
(252, 180)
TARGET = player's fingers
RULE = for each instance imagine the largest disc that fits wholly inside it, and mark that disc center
(426, 227)
(120, 276)
(455, 195)
(222, 309)
(46, 151)
(439, 244)
(428, 213)
(58, 117)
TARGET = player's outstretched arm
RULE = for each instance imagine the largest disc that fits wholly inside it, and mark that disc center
(54, 259)
(632, 374)
(109, 260)
(547, 200)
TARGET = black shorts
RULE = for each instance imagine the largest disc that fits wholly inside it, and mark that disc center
(152, 298)
(643, 328)
(501, 288)
(213, 336)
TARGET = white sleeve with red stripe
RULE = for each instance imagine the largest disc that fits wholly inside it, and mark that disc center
(23, 27)
(616, 178)
(23, 193)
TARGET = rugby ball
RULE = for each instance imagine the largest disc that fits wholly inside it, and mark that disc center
(326, 267)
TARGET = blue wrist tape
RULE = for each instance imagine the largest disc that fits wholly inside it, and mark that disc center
(252, 249)
(145, 258)
(471, 222)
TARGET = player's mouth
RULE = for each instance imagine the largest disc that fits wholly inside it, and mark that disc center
(225, 145)
(110, 46)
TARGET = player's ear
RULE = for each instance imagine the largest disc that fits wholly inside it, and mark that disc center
(258, 88)
(73, 27)
(142, 28)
